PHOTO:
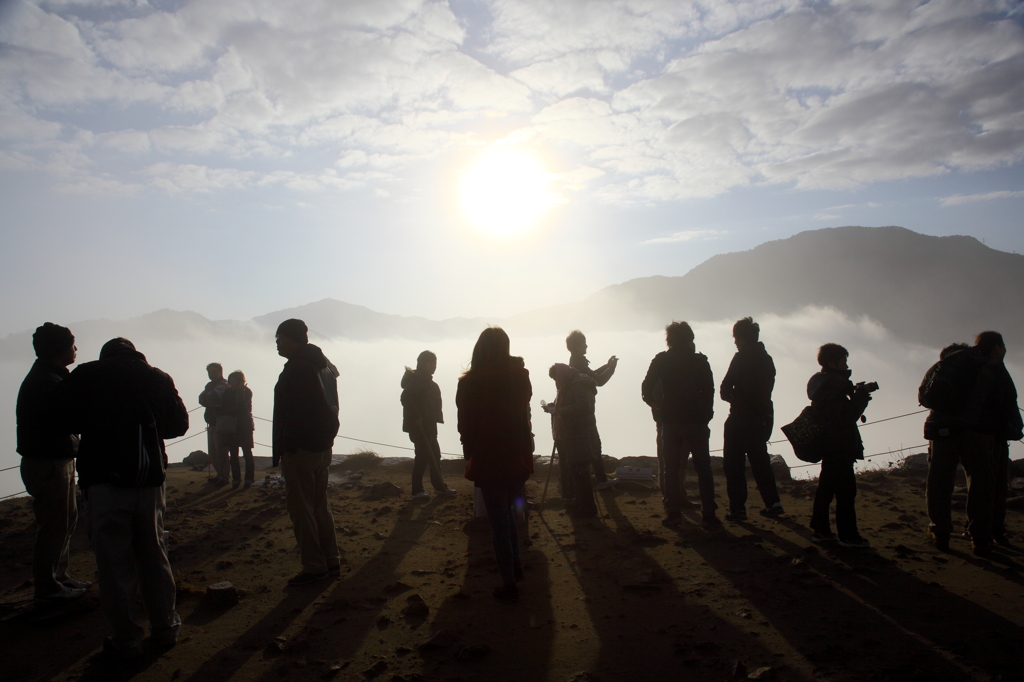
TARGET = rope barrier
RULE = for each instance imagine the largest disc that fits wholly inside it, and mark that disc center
(23, 492)
(13, 467)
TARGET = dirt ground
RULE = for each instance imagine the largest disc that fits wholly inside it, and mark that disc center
(619, 597)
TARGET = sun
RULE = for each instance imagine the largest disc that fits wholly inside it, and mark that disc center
(505, 192)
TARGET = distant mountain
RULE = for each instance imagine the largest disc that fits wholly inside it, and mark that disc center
(931, 290)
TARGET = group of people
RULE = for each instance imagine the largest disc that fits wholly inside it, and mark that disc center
(106, 422)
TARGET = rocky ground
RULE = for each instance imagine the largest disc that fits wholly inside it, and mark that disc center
(619, 597)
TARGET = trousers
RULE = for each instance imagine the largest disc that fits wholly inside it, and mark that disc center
(678, 442)
(745, 441)
(305, 480)
(974, 452)
(51, 483)
(836, 480)
(500, 500)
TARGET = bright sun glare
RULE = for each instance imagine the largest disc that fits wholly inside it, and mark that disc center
(505, 192)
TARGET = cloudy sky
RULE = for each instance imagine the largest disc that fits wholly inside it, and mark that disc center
(478, 158)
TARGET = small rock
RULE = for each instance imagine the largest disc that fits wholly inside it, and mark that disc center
(764, 674)
(222, 594)
(381, 491)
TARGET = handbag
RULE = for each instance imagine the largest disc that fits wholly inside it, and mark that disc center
(805, 434)
(226, 423)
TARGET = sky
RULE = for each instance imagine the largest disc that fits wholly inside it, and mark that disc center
(469, 158)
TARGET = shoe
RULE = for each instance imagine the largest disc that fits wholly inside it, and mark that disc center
(218, 482)
(940, 540)
(736, 516)
(422, 495)
(246, 485)
(334, 571)
(854, 541)
(166, 640)
(236, 485)
(61, 596)
(982, 549)
(127, 654)
(672, 520)
(449, 492)
(305, 578)
(76, 584)
(711, 522)
(605, 485)
(1001, 540)
(823, 537)
(966, 535)
(773, 511)
(507, 593)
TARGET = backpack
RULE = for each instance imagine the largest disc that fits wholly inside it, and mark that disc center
(146, 465)
(948, 383)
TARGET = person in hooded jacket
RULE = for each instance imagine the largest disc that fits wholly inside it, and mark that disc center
(493, 402)
(574, 427)
(305, 425)
(237, 405)
(421, 413)
(687, 406)
(838, 405)
(747, 387)
(124, 409)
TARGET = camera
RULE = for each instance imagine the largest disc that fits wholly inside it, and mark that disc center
(866, 387)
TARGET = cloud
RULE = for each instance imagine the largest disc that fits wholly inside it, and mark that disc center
(958, 199)
(686, 236)
(827, 216)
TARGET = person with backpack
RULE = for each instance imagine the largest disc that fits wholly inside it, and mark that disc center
(421, 413)
(687, 406)
(305, 425)
(124, 408)
(837, 405)
(574, 426)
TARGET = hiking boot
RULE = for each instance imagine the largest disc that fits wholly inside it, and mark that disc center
(507, 593)
(940, 540)
(449, 492)
(773, 511)
(334, 571)
(76, 584)
(305, 578)
(855, 541)
(61, 596)
(672, 520)
(820, 537)
(1001, 539)
(736, 516)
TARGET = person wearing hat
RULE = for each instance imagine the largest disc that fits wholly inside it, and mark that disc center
(305, 425)
(48, 465)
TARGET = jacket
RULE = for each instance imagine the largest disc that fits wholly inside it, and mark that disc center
(237, 403)
(601, 375)
(101, 401)
(575, 425)
(687, 386)
(211, 398)
(978, 410)
(421, 401)
(304, 416)
(838, 407)
(39, 434)
(494, 423)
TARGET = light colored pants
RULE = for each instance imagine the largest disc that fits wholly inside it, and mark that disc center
(126, 529)
(305, 478)
(51, 483)
(218, 454)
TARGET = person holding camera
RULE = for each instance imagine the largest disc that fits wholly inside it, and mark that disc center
(838, 405)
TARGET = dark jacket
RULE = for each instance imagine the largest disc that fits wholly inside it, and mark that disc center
(304, 417)
(601, 375)
(977, 412)
(101, 400)
(1009, 425)
(575, 424)
(838, 407)
(237, 403)
(211, 398)
(494, 423)
(39, 435)
(421, 401)
(687, 386)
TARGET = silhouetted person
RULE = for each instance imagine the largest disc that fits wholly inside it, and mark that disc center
(48, 464)
(960, 432)
(747, 387)
(493, 401)
(576, 344)
(574, 427)
(124, 409)
(421, 413)
(688, 390)
(837, 405)
(237, 408)
(212, 398)
(1006, 425)
(305, 425)
(656, 398)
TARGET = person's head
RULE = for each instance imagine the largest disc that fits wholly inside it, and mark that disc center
(215, 371)
(491, 350)
(745, 332)
(116, 347)
(952, 348)
(292, 335)
(426, 362)
(576, 342)
(833, 356)
(990, 345)
(55, 344)
(679, 335)
(562, 374)
(236, 379)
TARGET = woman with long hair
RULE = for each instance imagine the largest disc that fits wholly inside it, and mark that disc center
(493, 401)
(237, 405)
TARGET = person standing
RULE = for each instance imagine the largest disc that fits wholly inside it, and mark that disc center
(574, 425)
(124, 409)
(493, 402)
(576, 344)
(212, 398)
(48, 464)
(237, 409)
(838, 405)
(305, 425)
(421, 413)
(687, 406)
(747, 387)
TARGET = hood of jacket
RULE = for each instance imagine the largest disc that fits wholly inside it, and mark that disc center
(824, 378)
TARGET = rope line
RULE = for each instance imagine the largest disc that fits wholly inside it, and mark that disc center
(9, 468)
(23, 492)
